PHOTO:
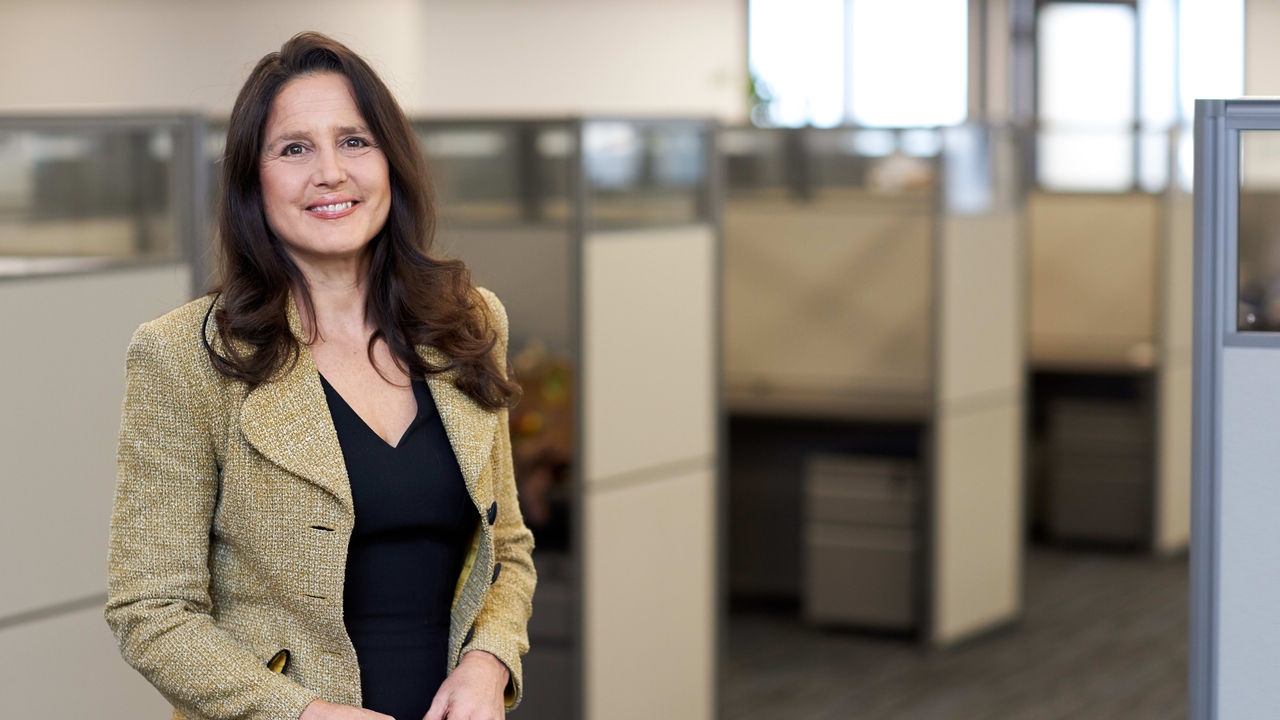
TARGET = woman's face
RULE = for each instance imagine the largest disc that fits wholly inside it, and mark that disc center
(325, 185)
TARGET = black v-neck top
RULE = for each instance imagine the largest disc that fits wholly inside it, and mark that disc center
(413, 524)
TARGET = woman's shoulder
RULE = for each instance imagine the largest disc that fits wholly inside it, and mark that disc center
(179, 335)
(497, 312)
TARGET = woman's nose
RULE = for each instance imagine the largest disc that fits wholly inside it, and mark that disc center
(330, 168)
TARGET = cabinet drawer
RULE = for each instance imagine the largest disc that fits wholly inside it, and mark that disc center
(859, 576)
(864, 491)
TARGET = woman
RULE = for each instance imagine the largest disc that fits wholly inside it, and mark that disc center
(315, 515)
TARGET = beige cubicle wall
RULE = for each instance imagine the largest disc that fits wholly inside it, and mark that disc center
(872, 297)
(1093, 279)
(650, 457)
(1173, 373)
(827, 302)
(977, 508)
(63, 384)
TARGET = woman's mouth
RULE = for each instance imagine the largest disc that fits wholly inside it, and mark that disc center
(333, 210)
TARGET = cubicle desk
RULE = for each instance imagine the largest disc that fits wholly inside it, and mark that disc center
(860, 405)
(774, 432)
(774, 437)
(855, 287)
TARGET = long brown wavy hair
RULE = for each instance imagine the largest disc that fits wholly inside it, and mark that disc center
(412, 297)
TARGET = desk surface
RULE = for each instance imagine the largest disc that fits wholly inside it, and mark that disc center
(859, 404)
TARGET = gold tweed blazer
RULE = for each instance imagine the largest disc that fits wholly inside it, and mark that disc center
(232, 514)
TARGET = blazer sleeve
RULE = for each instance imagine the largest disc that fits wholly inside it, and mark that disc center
(501, 625)
(158, 604)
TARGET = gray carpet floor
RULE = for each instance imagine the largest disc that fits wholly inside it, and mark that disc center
(1103, 637)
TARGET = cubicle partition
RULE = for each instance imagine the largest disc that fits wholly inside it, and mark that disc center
(95, 218)
(1110, 354)
(874, 285)
(601, 237)
(1236, 540)
(979, 396)
(1174, 348)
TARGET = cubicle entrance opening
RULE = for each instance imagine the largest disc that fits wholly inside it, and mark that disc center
(874, 376)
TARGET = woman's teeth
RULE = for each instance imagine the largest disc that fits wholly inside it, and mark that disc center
(332, 208)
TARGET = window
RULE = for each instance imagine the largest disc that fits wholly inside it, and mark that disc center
(879, 63)
(1086, 96)
(910, 62)
(796, 55)
(1116, 79)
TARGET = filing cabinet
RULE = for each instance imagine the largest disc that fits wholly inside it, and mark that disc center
(862, 541)
(1100, 471)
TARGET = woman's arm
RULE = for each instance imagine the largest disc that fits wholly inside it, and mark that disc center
(501, 626)
(158, 603)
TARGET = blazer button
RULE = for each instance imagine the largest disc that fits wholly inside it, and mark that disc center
(470, 634)
(497, 568)
(493, 513)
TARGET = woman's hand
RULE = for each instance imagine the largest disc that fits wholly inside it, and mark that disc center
(473, 691)
(320, 710)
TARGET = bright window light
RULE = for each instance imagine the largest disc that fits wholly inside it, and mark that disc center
(1086, 65)
(909, 62)
(1157, 21)
(796, 50)
(1086, 96)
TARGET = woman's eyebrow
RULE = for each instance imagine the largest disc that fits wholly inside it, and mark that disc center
(290, 136)
(294, 135)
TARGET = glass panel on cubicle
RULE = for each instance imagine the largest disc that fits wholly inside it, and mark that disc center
(832, 163)
(645, 173)
(496, 173)
(91, 188)
(882, 162)
(1258, 281)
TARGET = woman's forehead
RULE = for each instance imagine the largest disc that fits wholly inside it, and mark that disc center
(312, 104)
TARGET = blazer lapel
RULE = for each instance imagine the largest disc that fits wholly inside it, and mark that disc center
(470, 426)
(288, 421)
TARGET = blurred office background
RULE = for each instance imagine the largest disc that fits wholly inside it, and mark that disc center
(855, 334)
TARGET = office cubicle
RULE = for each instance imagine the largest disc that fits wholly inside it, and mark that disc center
(1110, 354)
(96, 218)
(874, 285)
(601, 237)
(1234, 594)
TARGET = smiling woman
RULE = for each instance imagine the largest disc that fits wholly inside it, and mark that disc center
(324, 181)
(315, 513)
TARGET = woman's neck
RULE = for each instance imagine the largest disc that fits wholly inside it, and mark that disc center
(338, 297)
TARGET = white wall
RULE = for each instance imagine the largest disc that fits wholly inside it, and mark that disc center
(439, 56)
(1261, 52)
(555, 56)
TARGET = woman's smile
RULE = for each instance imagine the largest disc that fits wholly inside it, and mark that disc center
(329, 209)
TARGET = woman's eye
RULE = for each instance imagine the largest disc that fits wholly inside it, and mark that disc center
(293, 149)
(355, 142)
